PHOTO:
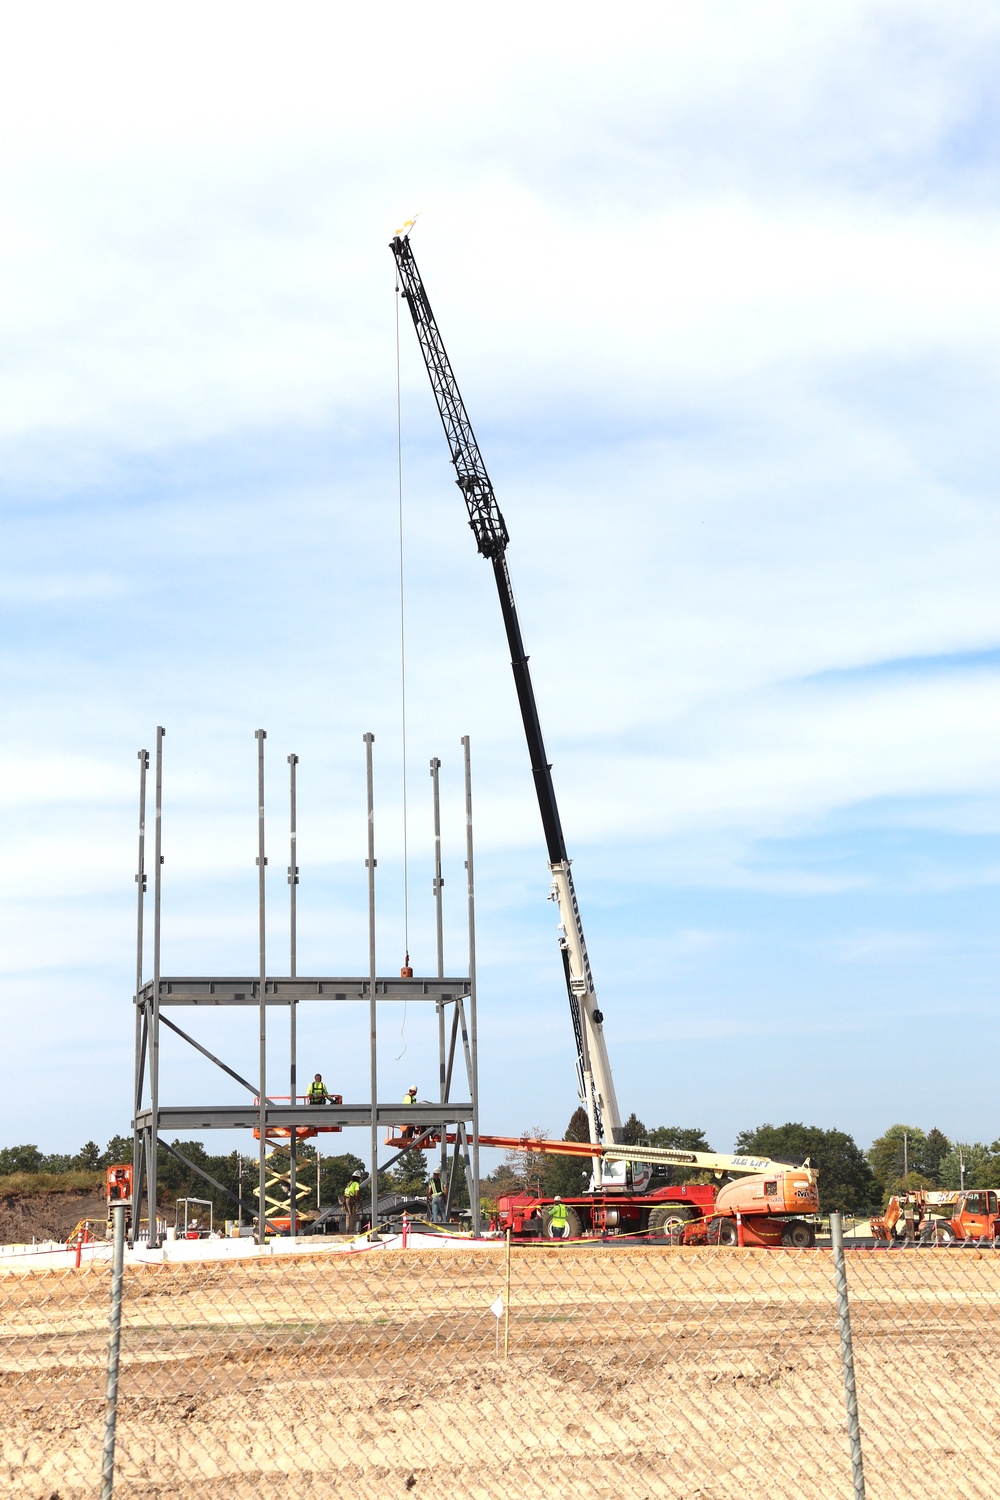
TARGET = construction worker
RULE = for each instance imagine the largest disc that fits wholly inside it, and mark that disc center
(410, 1097)
(435, 1197)
(316, 1092)
(352, 1202)
(558, 1219)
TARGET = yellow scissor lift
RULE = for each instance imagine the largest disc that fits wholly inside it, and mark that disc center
(278, 1183)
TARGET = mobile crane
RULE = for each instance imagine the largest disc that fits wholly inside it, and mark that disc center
(624, 1195)
(761, 1208)
(596, 1085)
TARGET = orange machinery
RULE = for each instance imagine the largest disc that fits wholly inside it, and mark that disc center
(762, 1206)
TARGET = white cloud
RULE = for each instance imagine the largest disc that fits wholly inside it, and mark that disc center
(720, 290)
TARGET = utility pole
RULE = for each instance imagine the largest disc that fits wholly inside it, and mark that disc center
(961, 1169)
(906, 1157)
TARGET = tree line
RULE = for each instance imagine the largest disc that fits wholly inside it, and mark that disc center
(236, 1173)
(903, 1158)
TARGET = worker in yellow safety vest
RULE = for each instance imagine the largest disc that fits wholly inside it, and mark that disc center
(352, 1201)
(316, 1092)
(435, 1196)
(558, 1220)
(410, 1097)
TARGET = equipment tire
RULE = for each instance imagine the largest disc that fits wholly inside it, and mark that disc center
(667, 1216)
(722, 1232)
(573, 1224)
(798, 1235)
(945, 1235)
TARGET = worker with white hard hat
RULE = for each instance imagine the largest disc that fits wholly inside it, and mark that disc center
(435, 1197)
(558, 1220)
(352, 1201)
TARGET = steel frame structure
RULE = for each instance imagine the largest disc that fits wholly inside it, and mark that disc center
(454, 1000)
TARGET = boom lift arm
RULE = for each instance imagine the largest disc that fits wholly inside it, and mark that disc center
(597, 1088)
(668, 1156)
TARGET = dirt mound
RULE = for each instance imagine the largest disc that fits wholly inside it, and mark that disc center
(47, 1216)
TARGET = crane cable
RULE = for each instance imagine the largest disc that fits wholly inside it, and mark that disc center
(407, 971)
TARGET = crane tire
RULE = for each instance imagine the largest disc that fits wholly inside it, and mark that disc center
(667, 1216)
(573, 1224)
(798, 1235)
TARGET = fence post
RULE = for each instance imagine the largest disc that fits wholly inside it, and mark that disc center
(847, 1354)
(506, 1304)
(114, 1348)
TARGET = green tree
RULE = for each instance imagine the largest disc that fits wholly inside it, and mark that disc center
(409, 1175)
(334, 1173)
(460, 1197)
(937, 1148)
(901, 1149)
(118, 1150)
(633, 1132)
(89, 1155)
(845, 1178)
(679, 1138)
(982, 1166)
(569, 1176)
(20, 1159)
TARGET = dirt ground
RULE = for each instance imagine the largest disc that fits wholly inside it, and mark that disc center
(47, 1216)
(644, 1372)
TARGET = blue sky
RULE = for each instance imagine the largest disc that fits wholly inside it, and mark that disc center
(720, 289)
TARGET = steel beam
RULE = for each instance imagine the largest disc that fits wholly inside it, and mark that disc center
(181, 1117)
(241, 990)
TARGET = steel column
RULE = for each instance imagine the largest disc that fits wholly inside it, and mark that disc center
(438, 888)
(369, 740)
(293, 882)
(473, 1022)
(140, 1013)
(154, 1020)
(260, 736)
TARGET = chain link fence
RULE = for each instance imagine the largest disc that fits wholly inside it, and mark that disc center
(585, 1369)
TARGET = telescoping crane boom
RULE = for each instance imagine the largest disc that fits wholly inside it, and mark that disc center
(597, 1089)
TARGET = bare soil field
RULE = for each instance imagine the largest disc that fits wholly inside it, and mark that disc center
(643, 1371)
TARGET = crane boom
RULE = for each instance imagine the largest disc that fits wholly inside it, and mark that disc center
(596, 1084)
